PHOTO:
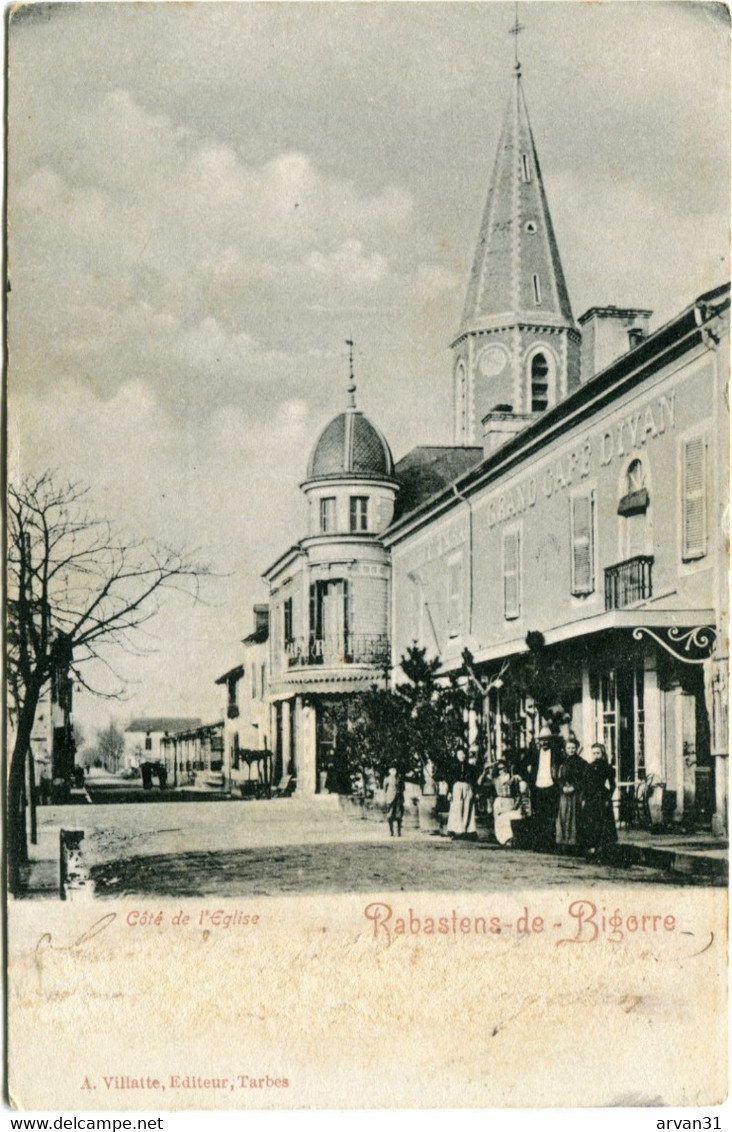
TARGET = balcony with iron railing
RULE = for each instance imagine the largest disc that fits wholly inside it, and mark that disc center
(350, 648)
(628, 582)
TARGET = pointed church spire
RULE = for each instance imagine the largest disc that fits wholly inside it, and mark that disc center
(516, 268)
(517, 296)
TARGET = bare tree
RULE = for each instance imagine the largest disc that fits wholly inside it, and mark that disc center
(77, 592)
(111, 746)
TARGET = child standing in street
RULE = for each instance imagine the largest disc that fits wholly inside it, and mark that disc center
(394, 798)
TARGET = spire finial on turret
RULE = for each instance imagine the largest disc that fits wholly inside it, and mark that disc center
(351, 378)
(515, 30)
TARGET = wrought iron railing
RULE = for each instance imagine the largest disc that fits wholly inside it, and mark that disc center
(350, 648)
(628, 581)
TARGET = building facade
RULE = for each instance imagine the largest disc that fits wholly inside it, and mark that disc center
(194, 756)
(53, 740)
(145, 738)
(599, 526)
(579, 519)
(330, 600)
(248, 760)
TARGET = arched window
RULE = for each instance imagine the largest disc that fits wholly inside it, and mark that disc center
(634, 511)
(635, 498)
(636, 476)
(539, 383)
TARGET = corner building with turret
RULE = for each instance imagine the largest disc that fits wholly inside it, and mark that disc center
(579, 508)
(330, 601)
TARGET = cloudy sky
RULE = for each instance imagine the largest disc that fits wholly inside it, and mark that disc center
(206, 200)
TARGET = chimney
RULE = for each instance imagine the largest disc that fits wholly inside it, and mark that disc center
(607, 334)
(500, 424)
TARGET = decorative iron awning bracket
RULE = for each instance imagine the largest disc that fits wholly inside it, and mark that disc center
(690, 646)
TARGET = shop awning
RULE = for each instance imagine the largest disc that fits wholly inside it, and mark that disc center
(670, 627)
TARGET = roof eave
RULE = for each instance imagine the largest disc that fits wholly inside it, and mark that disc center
(652, 353)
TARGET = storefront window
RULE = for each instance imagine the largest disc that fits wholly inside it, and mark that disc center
(620, 724)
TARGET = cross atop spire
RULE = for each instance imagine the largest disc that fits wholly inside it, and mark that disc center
(351, 378)
(515, 30)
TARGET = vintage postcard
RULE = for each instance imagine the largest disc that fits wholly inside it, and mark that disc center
(367, 498)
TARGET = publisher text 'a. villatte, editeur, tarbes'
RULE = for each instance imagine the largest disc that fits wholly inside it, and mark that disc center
(117, 1083)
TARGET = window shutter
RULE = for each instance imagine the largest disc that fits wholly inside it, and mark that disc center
(347, 610)
(511, 575)
(416, 591)
(694, 522)
(582, 521)
(454, 598)
(314, 627)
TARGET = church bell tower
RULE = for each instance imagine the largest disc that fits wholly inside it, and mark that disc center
(517, 351)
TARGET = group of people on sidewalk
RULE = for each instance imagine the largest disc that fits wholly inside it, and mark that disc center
(554, 800)
(571, 796)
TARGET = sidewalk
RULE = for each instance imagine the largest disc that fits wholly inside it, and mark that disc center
(697, 853)
(41, 875)
(693, 854)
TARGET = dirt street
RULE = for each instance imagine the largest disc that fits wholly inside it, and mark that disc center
(241, 849)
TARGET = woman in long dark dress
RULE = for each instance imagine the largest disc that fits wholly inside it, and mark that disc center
(570, 777)
(465, 779)
(597, 824)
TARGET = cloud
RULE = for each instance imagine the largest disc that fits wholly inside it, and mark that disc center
(349, 266)
(435, 281)
(193, 480)
(693, 248)
(177, 253)
(206, 346)
(204, 485)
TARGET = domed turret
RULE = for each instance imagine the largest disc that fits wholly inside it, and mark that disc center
(351, 446)
(350, 483)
